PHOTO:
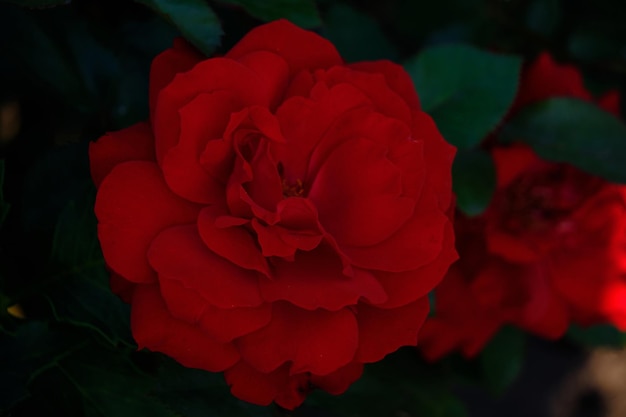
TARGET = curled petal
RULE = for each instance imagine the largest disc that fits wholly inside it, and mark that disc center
(245, 83)
(358, 193)
(235, 244)
(280, 241)
(293, 226)
(315, 280)
(181, 164)
(305, 121)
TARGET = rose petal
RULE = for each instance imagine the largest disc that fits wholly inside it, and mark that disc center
(262, 388)
(132, 206)
(316, 341)
(512, 248)
(382, 331)
(134, 143)
(315, 280)
(417, 243)
(544, 311)
(405, 287)
(545, 78)
(250, 85)
(181, 164)
(402, 149)
(301, 49)
(223, 325)
(396, 77)
(358, 194)
(293, 226)
(265, 188)
(375, 87)
(304, 123)
(339, 381)
(301, 85)
(283, 242)
(178, 253)
(236, 244)
(156, 330)
(180, 57)
(441, 336)
(438, 157)
(513, 161)
(614, 303)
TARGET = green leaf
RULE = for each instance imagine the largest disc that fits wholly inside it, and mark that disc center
(573, 131)
(466, 90)
(357, 36)
(4, 206)
(39, 4)
(502, 358)
(84, 298)
(301, 12)
(194, 18)
(597, 336)
(473, 180)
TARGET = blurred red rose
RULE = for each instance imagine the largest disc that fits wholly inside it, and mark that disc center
(281, 218)
(548, 251)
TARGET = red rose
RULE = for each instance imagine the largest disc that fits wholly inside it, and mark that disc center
(548, 251)
(281, 218)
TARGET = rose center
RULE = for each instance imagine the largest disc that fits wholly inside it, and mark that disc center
(541, 202)
(293, 189)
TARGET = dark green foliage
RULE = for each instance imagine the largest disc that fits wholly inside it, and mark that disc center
(573, 131)
(194, 18)
(301, 12)
(473, 180)
(356, 35)
(467, 91)
(502, 358)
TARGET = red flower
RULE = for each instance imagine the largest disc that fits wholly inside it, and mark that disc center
(282, 216)
(548, 251)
